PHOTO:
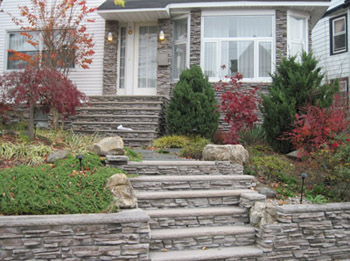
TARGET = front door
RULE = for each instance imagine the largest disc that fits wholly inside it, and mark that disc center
(138, 61)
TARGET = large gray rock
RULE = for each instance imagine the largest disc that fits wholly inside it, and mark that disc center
(109, 146)
(268, 192)
(234, 153)
(56, 155)
(122, 191)
(262, 213)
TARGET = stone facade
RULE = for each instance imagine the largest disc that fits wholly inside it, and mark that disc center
(164, 48)
(110, 59)
(281, 35)
(308, 232)
(120, 236)
(195, 34)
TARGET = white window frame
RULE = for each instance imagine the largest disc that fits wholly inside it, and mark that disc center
(187, 42)
(332, 35)
(299, 15)
(218, 41)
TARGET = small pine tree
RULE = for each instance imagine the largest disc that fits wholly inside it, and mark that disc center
(193, 107)
(294, 85)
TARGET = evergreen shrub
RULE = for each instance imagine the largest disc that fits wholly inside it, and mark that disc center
(193, 107)
(294, 85)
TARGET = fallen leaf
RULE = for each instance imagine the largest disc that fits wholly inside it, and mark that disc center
(164, 250)
(204, 248)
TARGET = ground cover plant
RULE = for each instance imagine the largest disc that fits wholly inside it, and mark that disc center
(61, 188)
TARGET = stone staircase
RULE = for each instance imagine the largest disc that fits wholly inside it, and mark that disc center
(103, 114)
(198, 209)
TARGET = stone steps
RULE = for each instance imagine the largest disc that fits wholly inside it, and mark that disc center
(107, 126)
(119, 118)
(125, 104)
(168, 168)
(126, 98)
(189, 199)
(117, 111)
(192, 182)
(247, 253)
(199, 237)
(196, 217)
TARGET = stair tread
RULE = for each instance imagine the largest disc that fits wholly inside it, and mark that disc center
(116, 109)
(115, 123)
(194, 212)
(121, 116)
(149, 178)
(121, 131)
(168, 233)
(172, 163)
(190, 194)
(125, 102)
(209, 254)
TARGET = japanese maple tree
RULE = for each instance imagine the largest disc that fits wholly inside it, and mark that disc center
(239, 106)
(59, 28)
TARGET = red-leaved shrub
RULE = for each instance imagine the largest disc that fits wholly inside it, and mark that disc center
(316, 127)
(239, 106)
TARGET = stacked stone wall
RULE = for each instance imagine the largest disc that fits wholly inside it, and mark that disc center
(120, 236)
(308, 232)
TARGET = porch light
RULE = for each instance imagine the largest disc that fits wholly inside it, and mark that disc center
(110, 37)
(161, 36)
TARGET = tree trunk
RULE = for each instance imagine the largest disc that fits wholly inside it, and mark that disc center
(55, 116)
(31, 120)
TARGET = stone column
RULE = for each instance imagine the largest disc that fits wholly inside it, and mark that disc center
(165, 58)
(195, 41)
(281, 35)
(110, 59)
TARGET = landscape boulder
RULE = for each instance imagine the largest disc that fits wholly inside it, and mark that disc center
(262, 213)
(56, 155)
(109, 146)
(122, 191)
(268, 192)
(236, 154)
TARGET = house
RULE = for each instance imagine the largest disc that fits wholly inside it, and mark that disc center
(330, 39)
(142, 48)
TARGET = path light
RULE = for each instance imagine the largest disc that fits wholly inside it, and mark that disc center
(80, 158)
(303, 176)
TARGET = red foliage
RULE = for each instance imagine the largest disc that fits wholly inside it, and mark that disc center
(316, 127)
(239, 106)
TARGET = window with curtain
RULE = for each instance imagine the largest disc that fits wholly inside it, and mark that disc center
(338, 34)
(238, 43)
(19, 43)
(180, 39)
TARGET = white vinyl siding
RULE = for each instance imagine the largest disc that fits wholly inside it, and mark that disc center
(89, 81)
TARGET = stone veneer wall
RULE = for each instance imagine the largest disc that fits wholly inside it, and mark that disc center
(165, 47)
(110, 59)
(281, 35)
(308, 232)
(195, 40)
(124, 235)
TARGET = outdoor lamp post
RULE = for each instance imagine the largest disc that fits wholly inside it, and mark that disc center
(303, 176)
(80, 158)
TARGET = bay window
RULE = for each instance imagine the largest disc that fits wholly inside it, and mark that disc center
(238, 43)
(180, 46)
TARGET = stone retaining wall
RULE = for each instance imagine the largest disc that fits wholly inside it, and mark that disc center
(308, 232)
(123, 235)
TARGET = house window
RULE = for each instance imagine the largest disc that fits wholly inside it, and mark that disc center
(338, 26)
(237, 43)
(297, 35)
(19, 43)
(180, 46)
(122, 57)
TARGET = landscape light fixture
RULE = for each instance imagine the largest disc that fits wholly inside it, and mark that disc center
(110, 37)
(303, 176)
(80, 158)
(161, 35)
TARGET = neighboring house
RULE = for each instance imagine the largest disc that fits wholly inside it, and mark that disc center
(330, 39)
(250, 37)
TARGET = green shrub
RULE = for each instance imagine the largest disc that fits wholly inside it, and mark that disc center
(195, 149)
(172, 141)
(56, 189)
(252, 137)
(294, 85)
(193, 107)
